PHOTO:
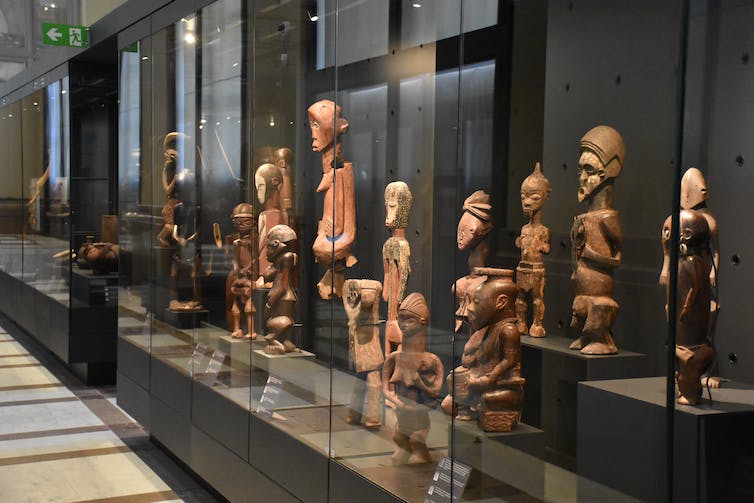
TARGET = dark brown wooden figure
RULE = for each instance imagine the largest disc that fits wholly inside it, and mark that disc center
(281, 300)
(412, 381)
(268, 181)
(361, 300)
(170, 150)
(101, 257)
(693, 349)
(534, 242)
(597, 242)
(396, 258)
(473, 227)
(488, 384)
(245, 271)
(337, 229)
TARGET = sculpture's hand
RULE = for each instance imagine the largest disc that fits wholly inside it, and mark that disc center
(518, 242)
(328, 226)
(482, 382)
(713, 278)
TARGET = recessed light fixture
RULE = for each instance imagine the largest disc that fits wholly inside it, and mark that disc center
(190, 38)
(416, 5)
(312, 17)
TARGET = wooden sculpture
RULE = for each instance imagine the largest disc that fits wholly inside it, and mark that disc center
(170, 150)
(337, 229)
(488, 384)
(396, 258)
(473, 227)
(412, 381)
(245, 271)
(284, 162)
(268, 181)
(281, 299)
(693, 349)
(596, 242)
(361, 301)
(534, 242)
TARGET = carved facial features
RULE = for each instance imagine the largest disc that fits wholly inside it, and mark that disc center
(410, 323)
(469, 231)
(280, 240)
(532, 200)
(591, 174)
(261, 187)
(325, 123)
(398, 200)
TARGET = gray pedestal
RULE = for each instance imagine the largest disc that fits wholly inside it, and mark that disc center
(622, 441)
(552, 372)
(512, 458)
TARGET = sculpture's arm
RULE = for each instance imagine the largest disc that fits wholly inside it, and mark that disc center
(665, 237)
(432, 383)
(404, 268)
(387, 372)
(687, 303)
(546, 242)
(236, 257)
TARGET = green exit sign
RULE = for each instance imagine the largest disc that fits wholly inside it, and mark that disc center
(67, 35)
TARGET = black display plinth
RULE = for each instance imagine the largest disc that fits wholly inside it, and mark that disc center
(185, 319)
(94, 289)
(513, 458)
(552, 372)
(622, 441)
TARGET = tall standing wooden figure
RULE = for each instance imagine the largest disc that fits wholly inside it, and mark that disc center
(337, 229)
(245, 271)
(596, 241)
(396, 256)
(534, 242)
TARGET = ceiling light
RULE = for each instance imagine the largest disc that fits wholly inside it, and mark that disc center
(416, 5)
(190, 38)
(312, 17)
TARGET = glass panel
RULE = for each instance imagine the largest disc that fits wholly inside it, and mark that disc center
(12, 214)
(13, 24)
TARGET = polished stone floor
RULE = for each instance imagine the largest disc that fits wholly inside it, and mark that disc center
(62, 441)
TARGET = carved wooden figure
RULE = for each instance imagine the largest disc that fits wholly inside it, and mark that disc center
(473, 227)
(596, 240)
(412, 381)
(693, 350)
(534, 242)
(396, 256)
(284, 162)
(488, 384)
(281, 299)
(361, 300)
(337, 229)
(170, 150)
(268, 181)
(245, 271)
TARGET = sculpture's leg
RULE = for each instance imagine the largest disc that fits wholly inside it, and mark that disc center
(277, 337)
(324, 286)
(501, 409)
(403, 452)
(249, 310)
(174, 282)
(237, 332)
(538, 300)
(164, 234)
(578, 318)
(374, 400)
(357, 401)
(691, 364)
(521, 308)
(419, 450)
(197, 284)
(599, 320)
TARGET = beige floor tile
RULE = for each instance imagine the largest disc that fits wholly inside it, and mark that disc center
(46, 416)
(34, 394)
(12, 348)
(59, 443)
(25, 376)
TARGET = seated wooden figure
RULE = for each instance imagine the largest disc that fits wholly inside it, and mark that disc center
(244, 272)
(488, 384)
(693, 349)
(361, 300)
(412, 381)
(281, 299)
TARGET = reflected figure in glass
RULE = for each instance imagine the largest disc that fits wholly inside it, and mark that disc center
(268, 181)
(596, 240)
(474, 226)
(488, 384)
(361, 300)
(412, 381)
(693, 350)
(534, 242)
(396, 258)
(245, 271)
(284, 162)
(337, 229)
(279, 310)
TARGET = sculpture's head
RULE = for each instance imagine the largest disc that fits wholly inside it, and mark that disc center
(693, 189)
(361, 297)
(534, 191)
(170, 147)
(494, 299)
(398, 200)
(326, 124)
(280, 239)
(243, 217)
(283, 158)
(603, 153)
(267, 180)
(694, 232)
(413, 315)
(476, 220)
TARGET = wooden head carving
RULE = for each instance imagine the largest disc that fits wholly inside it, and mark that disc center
(494, 300)
(268, 180)
(398, 201)
(326, 125)
(603, 153)
(534, 191)
(693, 189)
(476, 220)
(243, 218)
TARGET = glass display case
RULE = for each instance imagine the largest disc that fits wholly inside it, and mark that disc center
(411, 250)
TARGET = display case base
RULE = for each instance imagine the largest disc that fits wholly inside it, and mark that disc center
(552, 372)
(622, 442)
(185, 319)
(93, 288)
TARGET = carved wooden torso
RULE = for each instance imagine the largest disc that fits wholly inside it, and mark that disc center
(596, 240)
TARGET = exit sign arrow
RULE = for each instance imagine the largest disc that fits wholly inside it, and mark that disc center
(54, 34)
